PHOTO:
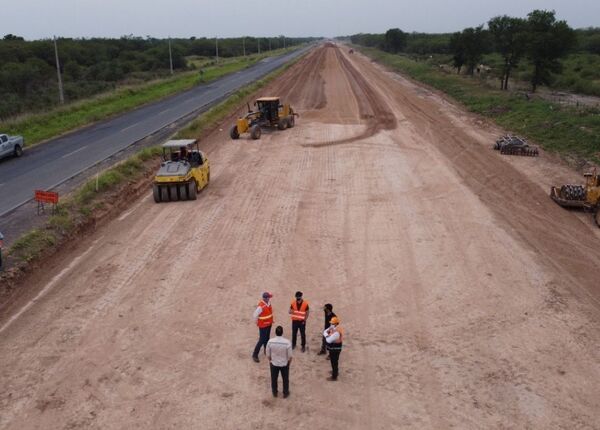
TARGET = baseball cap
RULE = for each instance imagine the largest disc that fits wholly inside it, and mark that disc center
(267, 295)
(328, 306)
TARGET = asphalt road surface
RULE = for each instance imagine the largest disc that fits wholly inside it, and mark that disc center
(52, 163)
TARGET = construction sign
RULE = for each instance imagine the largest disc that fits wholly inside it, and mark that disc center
(42, 197)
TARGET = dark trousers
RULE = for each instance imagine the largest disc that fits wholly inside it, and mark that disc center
(298, 325)
(334, 355)
(323, 345)
(285, 375)
(263, 337)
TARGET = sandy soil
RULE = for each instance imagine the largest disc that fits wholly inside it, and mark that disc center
(469, 299)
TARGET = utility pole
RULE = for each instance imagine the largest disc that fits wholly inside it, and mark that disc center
(61, 94)
(244, 45)
(269, 44)
(170, 56)
(258, 40)
(217, 47)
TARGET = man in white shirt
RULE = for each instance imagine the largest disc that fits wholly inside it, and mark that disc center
(334, 337)
(279, 351)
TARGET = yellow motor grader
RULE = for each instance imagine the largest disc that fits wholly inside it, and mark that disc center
(270, 113)
(586, 196)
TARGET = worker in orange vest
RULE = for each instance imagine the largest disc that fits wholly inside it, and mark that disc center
(334, 337)
(263, 316)
(299, 313)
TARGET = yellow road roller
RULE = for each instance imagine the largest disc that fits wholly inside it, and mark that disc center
(185, 171)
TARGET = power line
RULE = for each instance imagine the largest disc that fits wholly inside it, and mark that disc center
(170, 56)
(61, 95)
(217, 48)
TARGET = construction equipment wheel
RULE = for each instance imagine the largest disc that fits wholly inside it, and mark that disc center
(173, 193)
(192, 190)
(292, 122)
(234, 133)
(282, 124)
(164, 193)
(255, 132)
(182, 191)
(156, 193)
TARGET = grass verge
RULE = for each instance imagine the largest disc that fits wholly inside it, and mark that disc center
(36, 128)
(572, 133)
(100, 196)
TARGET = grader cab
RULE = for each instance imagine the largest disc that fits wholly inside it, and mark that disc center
(269, 113)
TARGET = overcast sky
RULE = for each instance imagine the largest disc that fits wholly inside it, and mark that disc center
(35, 19)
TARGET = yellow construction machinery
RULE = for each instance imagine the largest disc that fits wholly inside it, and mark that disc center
(183, 173)
(269, 113)
(585, 196)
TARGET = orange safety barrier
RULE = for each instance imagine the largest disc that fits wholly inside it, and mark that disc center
(46, 197)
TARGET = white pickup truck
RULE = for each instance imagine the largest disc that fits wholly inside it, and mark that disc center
(11, 145)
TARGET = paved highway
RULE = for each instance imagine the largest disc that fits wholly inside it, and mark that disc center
(48, 165)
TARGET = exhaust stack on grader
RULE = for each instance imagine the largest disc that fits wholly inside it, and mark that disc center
(586, 196)
(183, 173)
(269, 113)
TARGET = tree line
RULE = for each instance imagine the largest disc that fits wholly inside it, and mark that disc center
(540, 38)
(28, 80)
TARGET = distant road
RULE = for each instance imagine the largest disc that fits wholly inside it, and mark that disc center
(49, 164)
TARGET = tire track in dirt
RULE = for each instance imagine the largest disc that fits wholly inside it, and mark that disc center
(558, 237)
(373, 108)
(303, 86)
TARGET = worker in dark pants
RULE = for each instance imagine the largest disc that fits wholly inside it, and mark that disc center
(263, 316)
(334, 338)
(299, 313)
(279, 352)
(328, 310)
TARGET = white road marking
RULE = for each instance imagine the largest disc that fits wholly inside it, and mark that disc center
(163, 111)
(127, 128)
(48, 286)
(130, 211)
(74, 152)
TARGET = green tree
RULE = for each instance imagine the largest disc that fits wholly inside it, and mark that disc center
(474, 40)
(13, 37)
(509, 39)
(592, 44)
(457, 47)
(395, 40)
(468, 48)
(548, 41)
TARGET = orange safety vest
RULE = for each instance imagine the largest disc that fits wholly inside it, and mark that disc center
(265, 319)
(299, 314)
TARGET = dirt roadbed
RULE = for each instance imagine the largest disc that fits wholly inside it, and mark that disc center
(469, 299)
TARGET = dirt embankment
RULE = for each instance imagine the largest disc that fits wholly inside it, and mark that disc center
(461, 287)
